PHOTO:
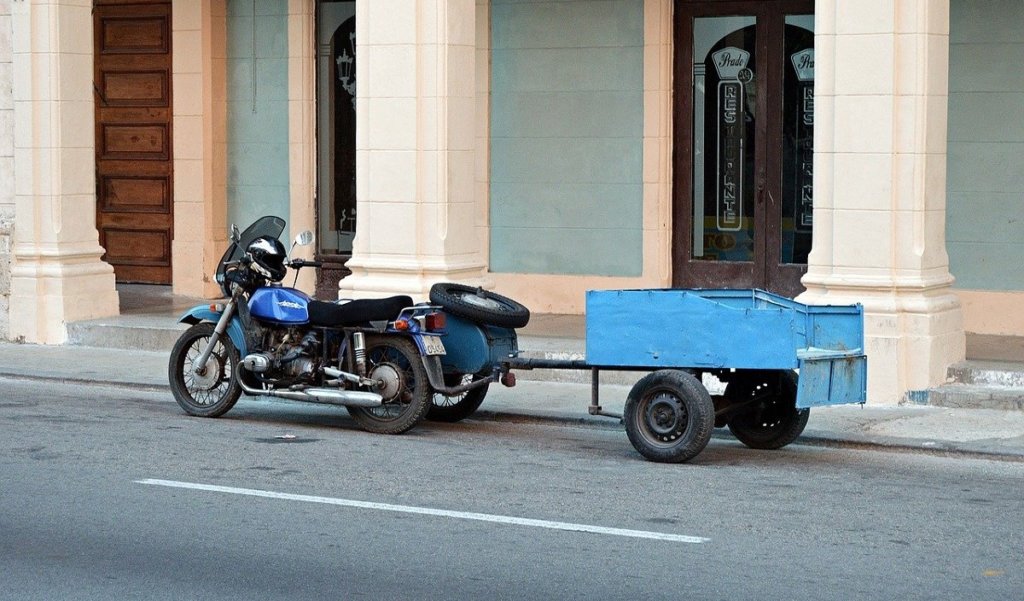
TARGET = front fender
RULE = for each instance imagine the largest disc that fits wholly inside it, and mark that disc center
(203, 313)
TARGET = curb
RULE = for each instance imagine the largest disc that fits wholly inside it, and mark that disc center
(810, 438)
(937, 449)
(85, 382)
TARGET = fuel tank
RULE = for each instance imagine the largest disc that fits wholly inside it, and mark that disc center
(280, 305)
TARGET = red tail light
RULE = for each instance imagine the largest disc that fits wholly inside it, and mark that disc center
(436, 321)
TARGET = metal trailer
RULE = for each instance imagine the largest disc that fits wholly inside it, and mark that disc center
(776, 357)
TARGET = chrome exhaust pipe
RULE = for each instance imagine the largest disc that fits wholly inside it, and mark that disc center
(348, 398)
(326, 396)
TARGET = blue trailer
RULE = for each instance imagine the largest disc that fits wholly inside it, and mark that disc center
(777, 358)
(754, 341)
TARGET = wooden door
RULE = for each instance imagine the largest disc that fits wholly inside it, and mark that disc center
(134, 191)
(744, 110)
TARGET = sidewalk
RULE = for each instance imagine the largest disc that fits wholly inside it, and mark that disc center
(979, 432)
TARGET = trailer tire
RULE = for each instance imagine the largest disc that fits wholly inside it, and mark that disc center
(669, 416)
(775, 421)
(479, 305)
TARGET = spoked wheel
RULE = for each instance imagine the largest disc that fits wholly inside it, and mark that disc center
(669, 416)
(772, 421)
(212, 390)
(458, 407)
(401, 379)
(479, 305)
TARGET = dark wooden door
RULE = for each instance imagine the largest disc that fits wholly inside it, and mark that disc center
(134, 191)
(743, 139)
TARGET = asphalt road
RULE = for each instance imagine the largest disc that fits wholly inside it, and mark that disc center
(104, 494)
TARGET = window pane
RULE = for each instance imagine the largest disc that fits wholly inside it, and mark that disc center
(798, 139)
(724, 102)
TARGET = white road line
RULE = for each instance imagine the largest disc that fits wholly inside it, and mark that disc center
(481, 517)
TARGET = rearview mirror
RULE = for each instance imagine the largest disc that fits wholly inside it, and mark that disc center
(234, 233)
(304, 239)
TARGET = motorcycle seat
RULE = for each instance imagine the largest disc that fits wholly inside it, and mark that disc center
(357, 312)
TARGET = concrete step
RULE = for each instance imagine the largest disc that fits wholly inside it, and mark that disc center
(142, 333)
(988, 373)
(982, 384)
(974, 396)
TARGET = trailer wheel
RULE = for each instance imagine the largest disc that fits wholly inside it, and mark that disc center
(773, 421)
(669, 416)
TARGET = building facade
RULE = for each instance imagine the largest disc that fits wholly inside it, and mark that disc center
(829, 150)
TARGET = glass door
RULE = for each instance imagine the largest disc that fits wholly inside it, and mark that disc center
(743, 144)
(336, 140)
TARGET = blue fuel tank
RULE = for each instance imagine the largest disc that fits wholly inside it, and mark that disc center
(280, 305)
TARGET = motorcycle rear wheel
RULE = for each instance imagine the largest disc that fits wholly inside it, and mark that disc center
(396, 363)
(214, 392)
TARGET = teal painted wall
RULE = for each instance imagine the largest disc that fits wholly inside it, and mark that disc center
(985, 185)
(257, 112)
(566, 137)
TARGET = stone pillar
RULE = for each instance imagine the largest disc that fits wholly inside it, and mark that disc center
(200, 144)
(415, 139)
(6, 164)
(880, 186)
(57, 276)
(302, 132)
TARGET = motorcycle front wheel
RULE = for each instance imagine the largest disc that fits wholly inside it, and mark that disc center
(395, 364)
(210, 392)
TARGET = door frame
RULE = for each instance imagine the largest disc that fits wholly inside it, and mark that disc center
(766, 270)
(333, 269)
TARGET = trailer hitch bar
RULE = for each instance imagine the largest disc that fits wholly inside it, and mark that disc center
(595, 376)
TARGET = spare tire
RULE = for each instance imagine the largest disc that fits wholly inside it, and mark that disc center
(479, 305)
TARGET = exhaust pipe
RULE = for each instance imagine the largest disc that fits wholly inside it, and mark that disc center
(326, 396)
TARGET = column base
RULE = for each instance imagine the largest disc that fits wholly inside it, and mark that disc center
(911, 335)
(375, 278)
(48, 293)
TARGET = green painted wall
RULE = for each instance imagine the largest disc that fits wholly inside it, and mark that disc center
(566, 137)
(257, 111)
(985, 185)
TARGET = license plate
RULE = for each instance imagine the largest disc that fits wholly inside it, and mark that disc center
(432, 345)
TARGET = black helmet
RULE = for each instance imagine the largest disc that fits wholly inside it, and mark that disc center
(268, 257)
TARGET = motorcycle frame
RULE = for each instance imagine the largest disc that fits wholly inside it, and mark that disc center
(236, 320)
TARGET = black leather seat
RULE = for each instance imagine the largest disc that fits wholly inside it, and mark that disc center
(357, 312)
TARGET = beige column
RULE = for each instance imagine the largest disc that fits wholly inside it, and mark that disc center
(6, 165)
(302, 131)
(880, 186)
(57, 276)
(200, 144)
(415, 139)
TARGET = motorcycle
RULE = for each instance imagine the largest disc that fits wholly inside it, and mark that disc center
(371, 356)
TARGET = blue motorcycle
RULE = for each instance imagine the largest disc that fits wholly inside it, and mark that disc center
(370, 356)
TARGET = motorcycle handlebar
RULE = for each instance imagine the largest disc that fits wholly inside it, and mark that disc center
(300, 263)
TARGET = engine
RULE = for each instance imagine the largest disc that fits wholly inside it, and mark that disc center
(286, 354)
